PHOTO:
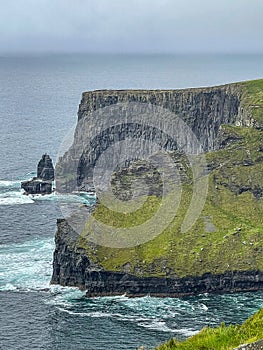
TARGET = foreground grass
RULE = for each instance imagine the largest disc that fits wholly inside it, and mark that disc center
(223, 337)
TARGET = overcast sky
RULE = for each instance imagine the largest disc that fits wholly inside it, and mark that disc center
(121, 26)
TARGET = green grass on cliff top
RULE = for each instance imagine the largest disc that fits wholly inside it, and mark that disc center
(253, 98)
(228, 234)
(221, 338)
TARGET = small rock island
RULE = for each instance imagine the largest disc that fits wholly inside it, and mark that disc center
(42, 183)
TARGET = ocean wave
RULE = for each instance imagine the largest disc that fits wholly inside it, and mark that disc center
(12, 194)
(18, 197)
(159, 325)
(14, 198)
(154, 323)
(26, 266)
(186, 332)
(145, 322)
(8, 183)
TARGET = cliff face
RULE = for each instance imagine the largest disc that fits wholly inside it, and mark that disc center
(222, 250)
(203, 110)
(73, 267)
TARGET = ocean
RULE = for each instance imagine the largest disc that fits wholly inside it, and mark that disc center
(39, 97)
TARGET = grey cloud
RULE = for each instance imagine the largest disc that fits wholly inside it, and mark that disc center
(131, 26)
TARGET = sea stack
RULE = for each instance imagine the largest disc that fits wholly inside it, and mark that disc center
(42, 184)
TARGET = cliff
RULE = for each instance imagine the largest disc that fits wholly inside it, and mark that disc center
(220, 248)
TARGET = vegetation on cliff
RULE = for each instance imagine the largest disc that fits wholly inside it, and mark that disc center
(223, 337)
(253, 100)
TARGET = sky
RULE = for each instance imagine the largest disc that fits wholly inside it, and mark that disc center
(131, 26)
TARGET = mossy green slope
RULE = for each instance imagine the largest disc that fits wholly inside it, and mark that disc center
(228, 235)
(252, 99)
(223, 337)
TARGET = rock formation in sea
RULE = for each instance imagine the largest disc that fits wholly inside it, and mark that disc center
(45, 169)
(42, 183)
(213, 241)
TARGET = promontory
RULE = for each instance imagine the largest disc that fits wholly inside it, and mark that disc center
(219, 247)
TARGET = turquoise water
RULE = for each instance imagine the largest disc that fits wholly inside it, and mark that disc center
(38, 104)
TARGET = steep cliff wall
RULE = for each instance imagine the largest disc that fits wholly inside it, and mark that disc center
(204, 110)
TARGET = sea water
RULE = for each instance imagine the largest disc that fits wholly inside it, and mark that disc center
(39, 97)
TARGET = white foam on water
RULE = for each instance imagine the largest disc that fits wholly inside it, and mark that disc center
(154, 324)
(186, 332)
(15, 183)
(26, 266)
(203, 307)
(12, 194)
(82, 314)
(14, 198)
(157, 325)
(8, 287)
(63, 296)
(18, 197)
(145, 312)
(8, 183)
(63, 198)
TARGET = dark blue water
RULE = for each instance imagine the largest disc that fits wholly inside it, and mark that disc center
(39, 97)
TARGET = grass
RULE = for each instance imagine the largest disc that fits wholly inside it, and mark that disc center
(221, 338)
(253, 99)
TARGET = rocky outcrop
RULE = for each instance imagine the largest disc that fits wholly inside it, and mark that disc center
(42, 184)
(45, 169)
(37, 186)
(258, 345)
(73, 267)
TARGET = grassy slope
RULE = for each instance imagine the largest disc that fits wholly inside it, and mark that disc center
(253, 97)
(221, 338)
(236, 244)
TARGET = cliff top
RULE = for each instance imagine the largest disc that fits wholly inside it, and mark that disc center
(250, 93)
(190, 89)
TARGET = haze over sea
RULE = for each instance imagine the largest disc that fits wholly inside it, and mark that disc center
(39, 97)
